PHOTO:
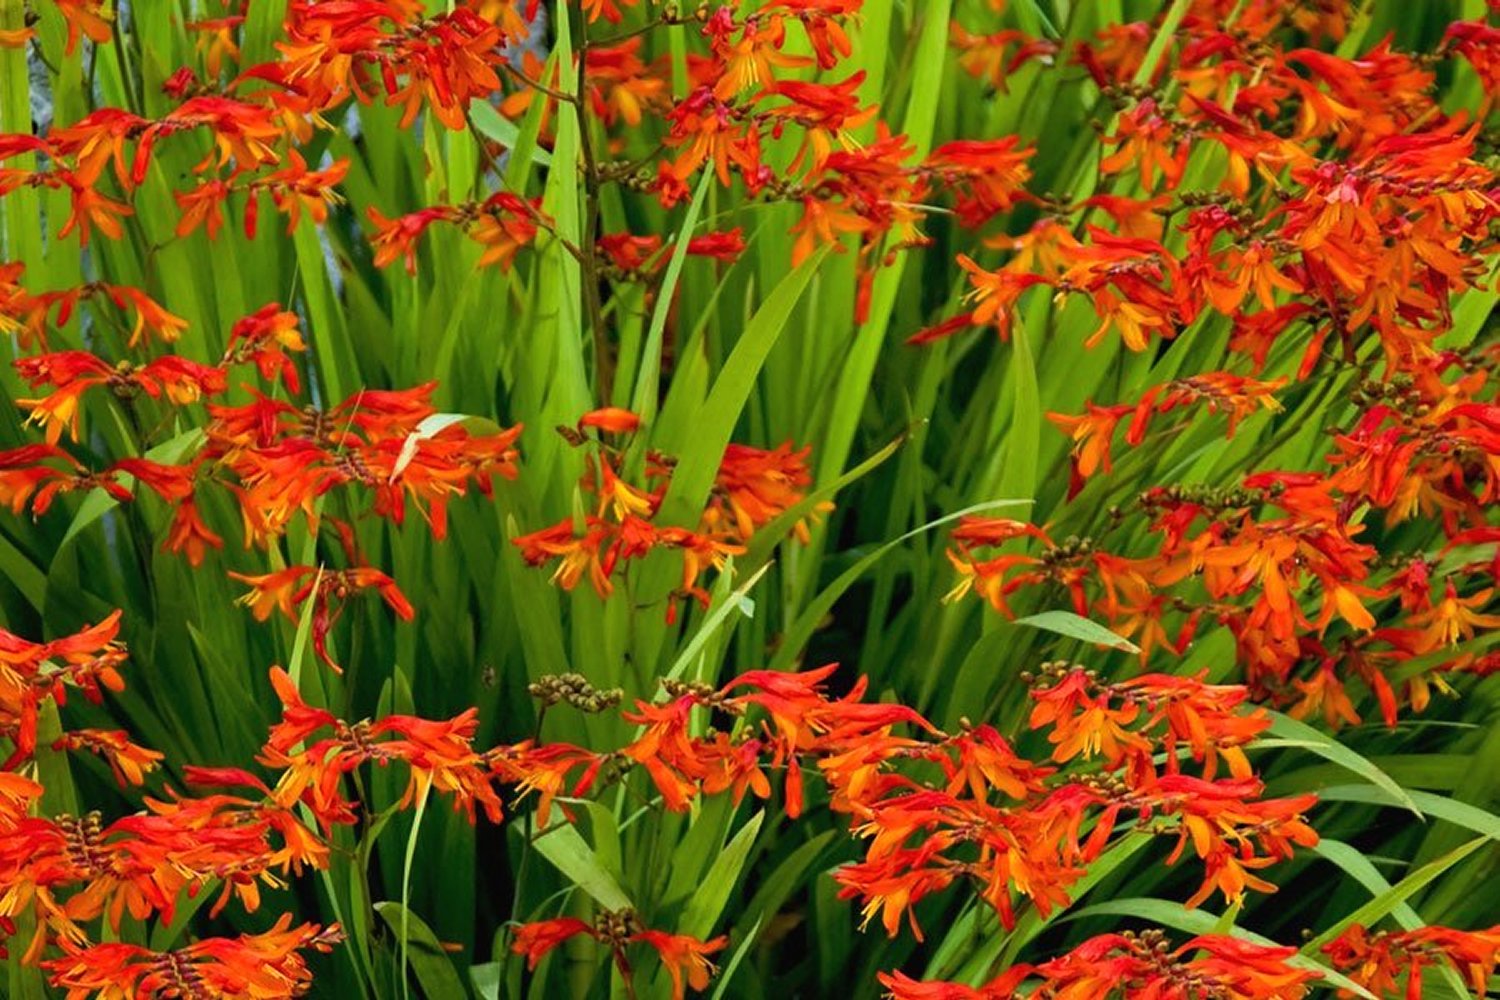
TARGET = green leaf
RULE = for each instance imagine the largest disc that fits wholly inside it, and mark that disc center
(807, 622)
(262, 26)
(1383, 904)
(492, 124)
(523, 153)
(1358, 867)
(858, 365)
(1439, 806)
(166, 935)
(304, 633)
(411, 853)
(783, 881)
(727, 973)
(715, 620)
(59, 794)
(23, 574)
(708, 901)
(647, 388)
(566, 849)
(1330, 749)
(1077, 627)
(1018, 477)
(434, 970)
(330, 344)
(485, 978)
(541, 639)
(1165, 33)
(714, 424)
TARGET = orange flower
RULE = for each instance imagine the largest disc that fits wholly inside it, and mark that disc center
(535, 940)
(989, 578)
(1231, 829)
(985, 761)
(611, 420)
(266, 966)
(295, 189)
(579, 555)
(1453, 618)
(751, 61)
(279, 591)
(828, 114)
(758, 485)
(72, 372)
(621, 86)
(1149, 141)
(707, 130)
(1377, 960)
(684, 956)
(1091, 434)
(262, 339)
(129, 762)
(824, 223)
(216, 41)
(995, 293)
(92, 210)
(544, 769)
(87, 18)
(1252, 268)
(1084, 723)
(398, 237)
(986, 177)
(505, 225)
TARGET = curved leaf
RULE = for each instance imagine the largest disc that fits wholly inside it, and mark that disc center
(1285, 727)
(1459, 813)
(1385, 903)
(696, 467)
(1077, 627)
(708, 902)
(571, 855)
(434, 970)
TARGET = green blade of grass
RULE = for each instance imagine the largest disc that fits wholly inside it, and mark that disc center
(1073, 626)
(1382, 905)
(570, 854)
(807, 622)
(696, 467)
(1286, 727)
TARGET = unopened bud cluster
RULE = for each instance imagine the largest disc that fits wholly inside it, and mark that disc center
(575, 690)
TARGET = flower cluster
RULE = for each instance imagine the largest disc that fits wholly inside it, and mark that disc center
(1263, 183)
(1378, 960)
(753, 487)
(1320, 211)
(934, 810)
(1137, 966)
(1010, 827)
(275, 459)
(681, 954)
(32, 673)
(62, 872)
(261, 966)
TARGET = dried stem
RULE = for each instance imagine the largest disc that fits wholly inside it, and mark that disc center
(603, 363)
